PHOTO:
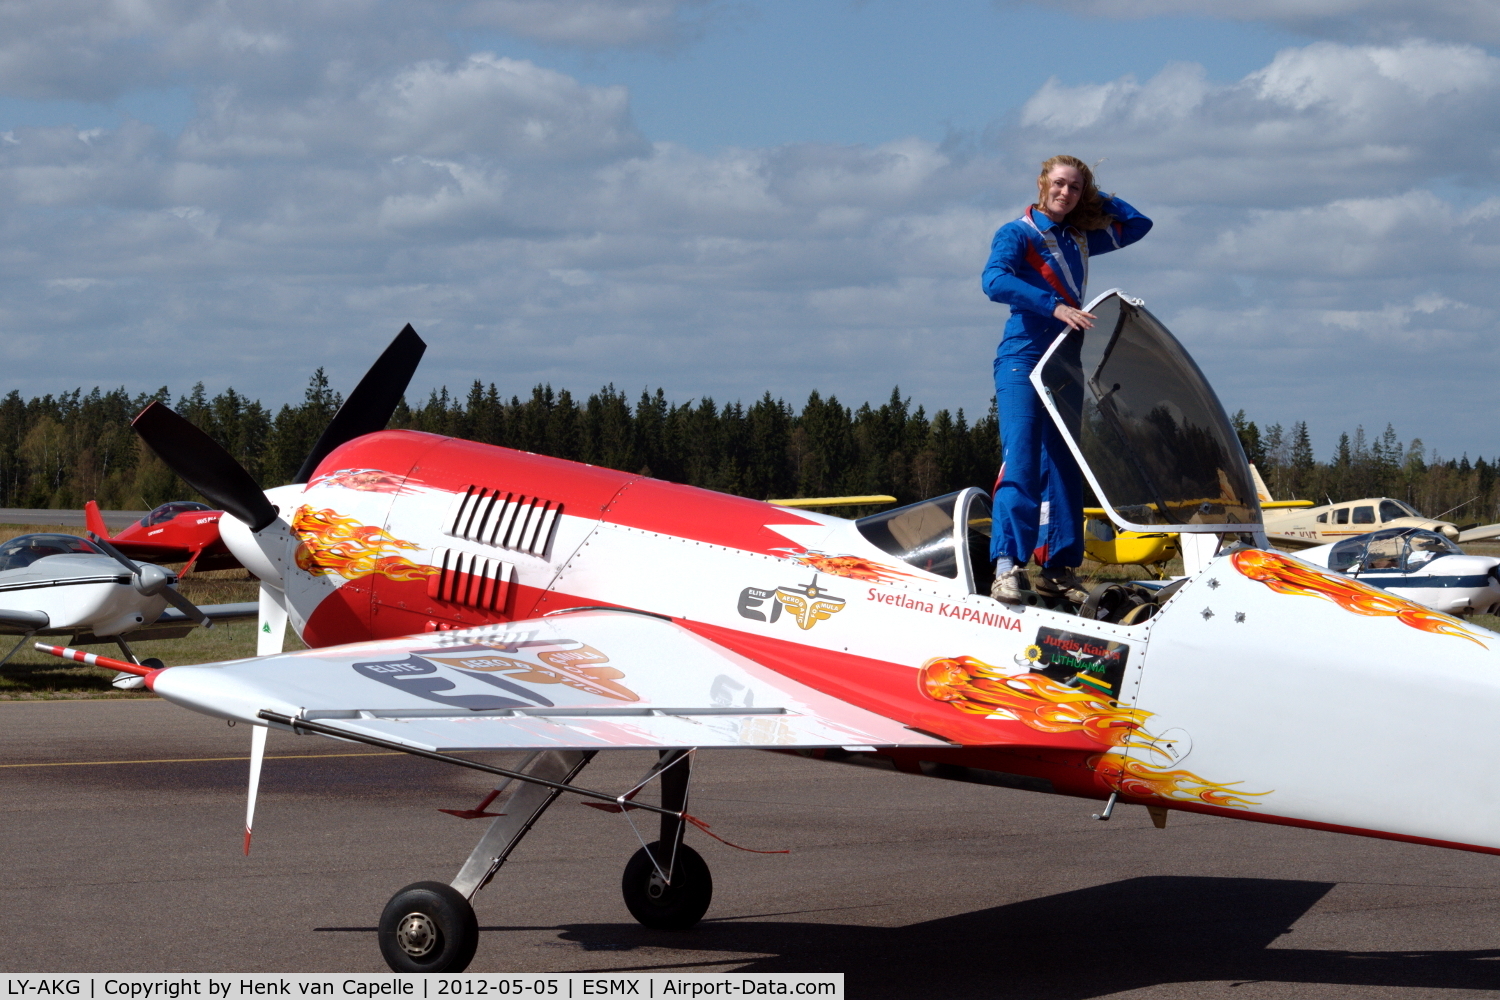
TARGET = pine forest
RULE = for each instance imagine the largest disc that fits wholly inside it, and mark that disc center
(59, 451)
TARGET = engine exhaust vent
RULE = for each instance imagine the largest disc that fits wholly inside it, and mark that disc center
(504, 519)
(465, 578)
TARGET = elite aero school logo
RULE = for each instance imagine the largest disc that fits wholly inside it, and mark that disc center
(807, 605)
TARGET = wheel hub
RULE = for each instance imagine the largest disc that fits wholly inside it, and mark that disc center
(655, 887)
(416, 934)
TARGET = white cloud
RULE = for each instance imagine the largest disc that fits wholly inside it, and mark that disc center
(96, 50)
(1306, 224)
(1384, 20)
(594, 23)
(484, 106)
(1318, 122)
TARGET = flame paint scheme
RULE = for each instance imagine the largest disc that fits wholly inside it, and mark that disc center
(464, 604)
(1236, 658)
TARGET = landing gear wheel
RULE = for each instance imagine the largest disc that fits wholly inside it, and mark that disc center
(663, 907)
(428, 927)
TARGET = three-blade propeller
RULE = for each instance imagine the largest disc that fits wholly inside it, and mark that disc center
(369, 407)
(203, 464)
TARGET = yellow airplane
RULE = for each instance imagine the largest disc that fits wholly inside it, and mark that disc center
(1332, 522)
(879, 498)
(1103, 543)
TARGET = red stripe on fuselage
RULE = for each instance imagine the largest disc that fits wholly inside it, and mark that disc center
(453, 465)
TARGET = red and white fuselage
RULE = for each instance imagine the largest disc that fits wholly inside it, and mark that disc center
(1263, 688)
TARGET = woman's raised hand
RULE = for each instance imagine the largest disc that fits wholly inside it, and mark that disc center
(1076, 319)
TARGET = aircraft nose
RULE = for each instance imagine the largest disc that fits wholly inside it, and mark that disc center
(1449, 532)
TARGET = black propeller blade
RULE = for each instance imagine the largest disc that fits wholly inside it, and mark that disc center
(369, 407)
(204, 465)
(151, 580)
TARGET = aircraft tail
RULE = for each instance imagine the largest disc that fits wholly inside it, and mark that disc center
(94, 521)
(1261, 493)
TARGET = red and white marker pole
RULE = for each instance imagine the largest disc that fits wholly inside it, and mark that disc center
(95, 660)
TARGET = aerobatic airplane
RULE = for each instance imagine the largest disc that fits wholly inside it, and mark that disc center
(182, 531)
(461, 596)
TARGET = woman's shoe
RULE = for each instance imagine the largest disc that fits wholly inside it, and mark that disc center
(1061, 582)
(1011, 586)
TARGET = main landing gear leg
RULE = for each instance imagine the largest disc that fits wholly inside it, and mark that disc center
(429, 926)
(667, 885)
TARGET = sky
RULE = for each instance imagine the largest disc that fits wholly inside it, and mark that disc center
(729, 197)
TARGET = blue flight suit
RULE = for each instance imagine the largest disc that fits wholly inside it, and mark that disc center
(1036, 265)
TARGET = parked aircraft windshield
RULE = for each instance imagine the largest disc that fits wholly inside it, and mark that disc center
(1399, 550)
(167, 511)
(24, 550)
(1154, 438)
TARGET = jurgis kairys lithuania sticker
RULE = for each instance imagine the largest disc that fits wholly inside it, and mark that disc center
(1081, 661)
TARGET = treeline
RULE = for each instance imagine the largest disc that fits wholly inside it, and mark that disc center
(1362, 465)
(59, 451)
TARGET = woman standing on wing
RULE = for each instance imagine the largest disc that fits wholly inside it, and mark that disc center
(1039, 266)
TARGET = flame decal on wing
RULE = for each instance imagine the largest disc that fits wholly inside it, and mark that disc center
(1287, 576)
(336, 545)
(850, 567)
(971, 685)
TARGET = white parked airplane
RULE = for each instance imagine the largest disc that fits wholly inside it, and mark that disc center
(1416, 564)
(64, 585)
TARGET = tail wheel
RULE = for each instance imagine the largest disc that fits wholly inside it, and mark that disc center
(428, 927)
(660, 906)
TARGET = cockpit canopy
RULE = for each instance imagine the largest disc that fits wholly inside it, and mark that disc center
(1154, 442)
(947, 536)
(167, 511)
(1394, 550)
(23, 550)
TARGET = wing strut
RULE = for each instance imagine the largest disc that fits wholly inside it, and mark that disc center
(307, 725)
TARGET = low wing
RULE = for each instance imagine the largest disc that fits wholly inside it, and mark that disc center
(585, 680)
(172, 624)
(1479, 534)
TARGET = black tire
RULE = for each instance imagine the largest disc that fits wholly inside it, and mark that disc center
(153, 662)
(428, 927)
(674, 907)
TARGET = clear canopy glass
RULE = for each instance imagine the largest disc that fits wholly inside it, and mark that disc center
(1154, 442)
(24, 550)
(947, 536)
(1400, 550)
(167, 511)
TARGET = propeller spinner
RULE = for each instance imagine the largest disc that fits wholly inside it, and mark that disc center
(207, 467)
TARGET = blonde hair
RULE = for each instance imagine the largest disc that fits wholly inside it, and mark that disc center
(1089, 212)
